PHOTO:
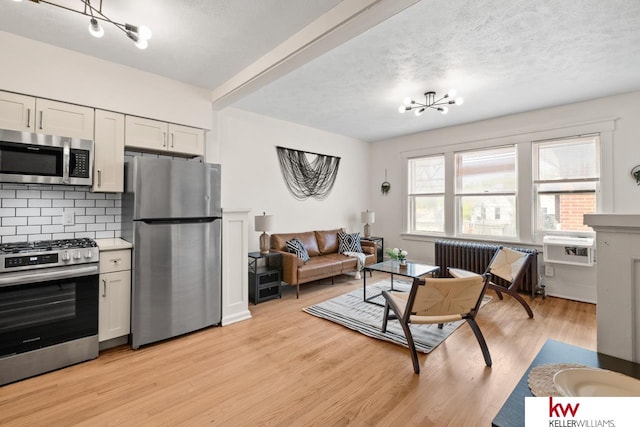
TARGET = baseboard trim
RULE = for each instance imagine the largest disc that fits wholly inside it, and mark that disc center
(235, 317)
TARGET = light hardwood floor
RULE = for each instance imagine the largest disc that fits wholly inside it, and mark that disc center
(287, 368)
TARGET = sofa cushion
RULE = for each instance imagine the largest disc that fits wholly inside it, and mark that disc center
(308, 239)
(318, 267)
(295, 246)
(328, 240)
(349, 242)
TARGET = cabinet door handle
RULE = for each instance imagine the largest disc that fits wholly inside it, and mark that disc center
(164, 139)
(116, 260)
(104, 288)
(99, 178)
(41, 118)
(28, 117)
(172, 139)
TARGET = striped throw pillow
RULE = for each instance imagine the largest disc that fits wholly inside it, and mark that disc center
(295, 246)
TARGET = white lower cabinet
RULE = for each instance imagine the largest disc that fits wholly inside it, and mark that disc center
(115, 294)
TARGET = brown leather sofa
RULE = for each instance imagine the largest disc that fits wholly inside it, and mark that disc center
(324, 259)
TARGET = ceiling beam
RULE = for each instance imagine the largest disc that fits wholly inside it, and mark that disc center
(337, 26)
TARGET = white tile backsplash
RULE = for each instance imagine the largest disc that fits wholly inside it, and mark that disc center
(30, 212)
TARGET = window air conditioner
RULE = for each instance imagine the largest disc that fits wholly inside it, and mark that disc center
(569, 250)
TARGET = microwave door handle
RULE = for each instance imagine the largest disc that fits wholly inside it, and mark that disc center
(66, 154)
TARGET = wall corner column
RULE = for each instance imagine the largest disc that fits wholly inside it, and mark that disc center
(235, 286)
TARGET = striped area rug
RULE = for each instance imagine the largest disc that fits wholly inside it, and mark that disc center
(351, 311)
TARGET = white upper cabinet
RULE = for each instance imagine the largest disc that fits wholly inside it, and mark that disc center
(154, 135)
(28, 114)
(17, 112)
(108, 161)
(186, 140)
(62, 119)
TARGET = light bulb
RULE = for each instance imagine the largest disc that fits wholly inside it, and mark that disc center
(451, 93)
(407, 101)
(444, 110)
(401, 109)
(459, 101)
(419, 111)
(142, 44)
(144, 32)
(95, 28)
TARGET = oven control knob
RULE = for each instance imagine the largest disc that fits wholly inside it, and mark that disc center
(65, 256)
(88, 254)
(77, 255)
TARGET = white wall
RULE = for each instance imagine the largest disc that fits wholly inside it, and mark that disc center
(568, 281)
(251, 176)
(46, 71)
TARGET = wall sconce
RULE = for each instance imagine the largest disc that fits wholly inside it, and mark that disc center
(367, 218)
(264, 223)
(635, 173)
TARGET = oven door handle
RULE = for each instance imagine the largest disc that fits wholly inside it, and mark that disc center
(21, 278)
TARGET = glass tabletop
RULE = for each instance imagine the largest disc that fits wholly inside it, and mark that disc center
(412, 269)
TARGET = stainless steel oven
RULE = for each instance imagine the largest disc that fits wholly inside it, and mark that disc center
(31, 157)
(48, 306)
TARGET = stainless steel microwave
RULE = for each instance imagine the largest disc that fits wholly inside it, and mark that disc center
(45, 159)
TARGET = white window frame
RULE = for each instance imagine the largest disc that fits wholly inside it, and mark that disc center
(458, 195)
(522, 140)
(411, 198)
(540, 233)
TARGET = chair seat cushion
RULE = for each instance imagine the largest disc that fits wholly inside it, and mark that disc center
(400, 299)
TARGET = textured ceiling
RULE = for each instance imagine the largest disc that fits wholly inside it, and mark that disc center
(503, 56)
(510, 57)
(201, 42)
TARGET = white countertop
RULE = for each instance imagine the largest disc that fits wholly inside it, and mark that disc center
(612, 220)
(113, 244)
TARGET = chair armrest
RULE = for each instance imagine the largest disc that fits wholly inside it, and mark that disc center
(368, 247)
(460, 273)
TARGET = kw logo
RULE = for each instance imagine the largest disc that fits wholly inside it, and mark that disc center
(560, 410)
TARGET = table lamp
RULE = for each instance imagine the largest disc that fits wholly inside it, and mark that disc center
(264, 223)
(368, 218)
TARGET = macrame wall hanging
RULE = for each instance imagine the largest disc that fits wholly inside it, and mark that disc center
(306, 178)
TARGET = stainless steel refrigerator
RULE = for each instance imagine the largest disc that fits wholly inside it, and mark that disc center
(171, 214)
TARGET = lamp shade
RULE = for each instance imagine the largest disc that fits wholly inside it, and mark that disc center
(264, 222)
(368, 217)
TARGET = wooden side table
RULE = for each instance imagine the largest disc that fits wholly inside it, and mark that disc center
(265, 272)
(379, 241)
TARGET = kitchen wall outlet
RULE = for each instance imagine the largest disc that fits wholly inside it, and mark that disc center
(68, 218)
(548, 270)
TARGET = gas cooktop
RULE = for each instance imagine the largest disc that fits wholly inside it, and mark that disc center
(46, 245)
(23, 256)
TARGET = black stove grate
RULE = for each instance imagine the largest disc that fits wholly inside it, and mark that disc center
(46, 245)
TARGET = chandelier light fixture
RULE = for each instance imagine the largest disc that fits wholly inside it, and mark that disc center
(430, 101)
(139, 34)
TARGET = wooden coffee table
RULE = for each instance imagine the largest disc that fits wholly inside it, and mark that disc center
(413, 270)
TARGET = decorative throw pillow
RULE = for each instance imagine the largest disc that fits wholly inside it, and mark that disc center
(295, 246)
(349, 242)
